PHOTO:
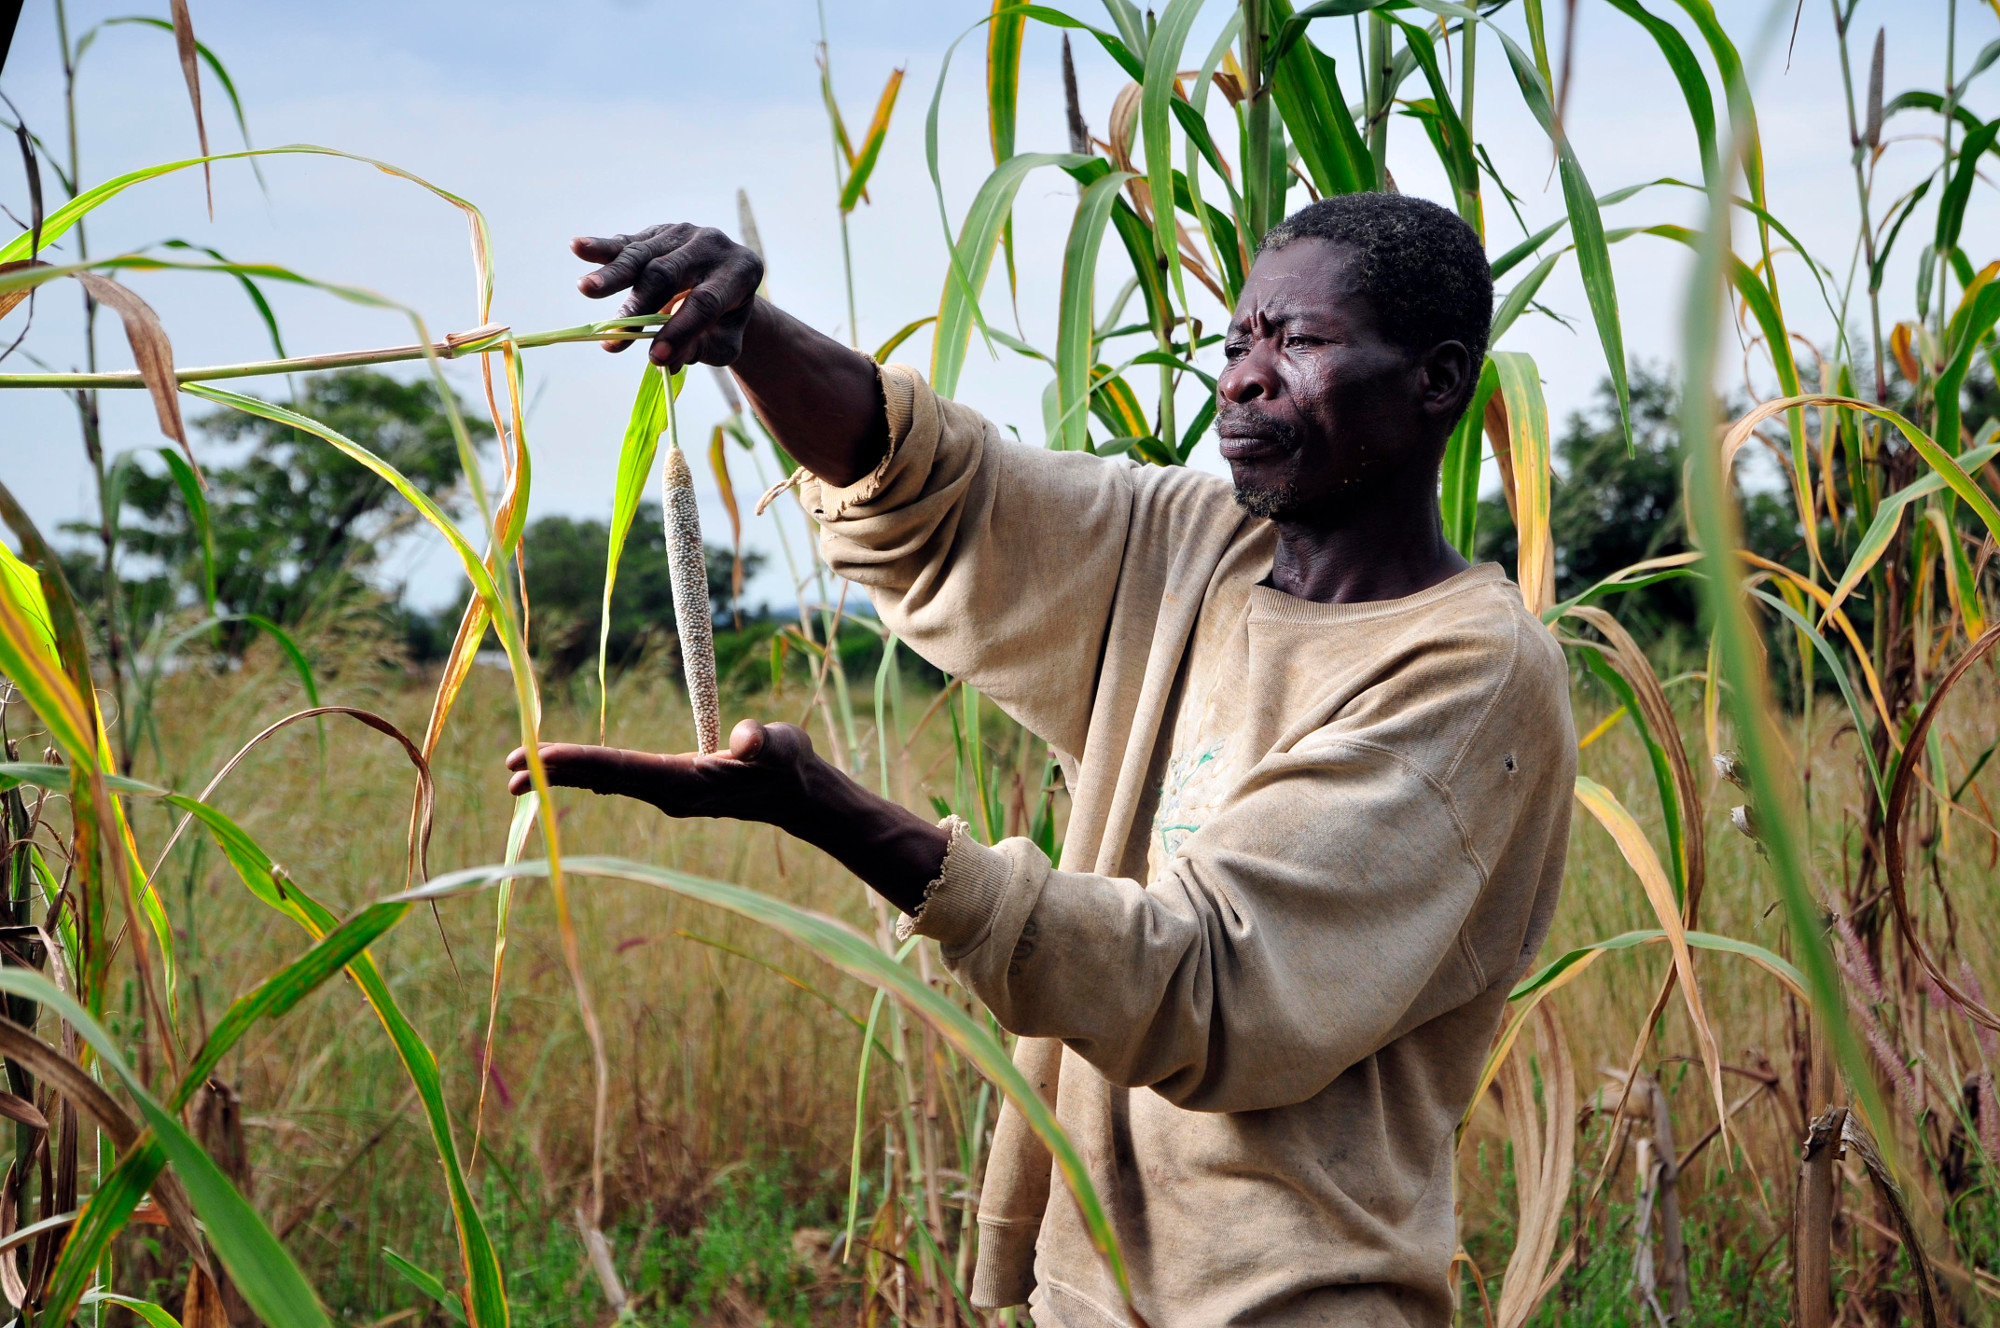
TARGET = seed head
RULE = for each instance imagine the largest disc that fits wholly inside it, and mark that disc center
(688, 570)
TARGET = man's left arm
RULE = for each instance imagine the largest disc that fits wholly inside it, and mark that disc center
(1314, 919)
(1319, 915)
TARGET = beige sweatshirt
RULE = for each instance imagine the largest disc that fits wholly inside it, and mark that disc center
(1311, 848)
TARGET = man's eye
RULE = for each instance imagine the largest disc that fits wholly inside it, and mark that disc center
(1234, 352)
(1300, 340)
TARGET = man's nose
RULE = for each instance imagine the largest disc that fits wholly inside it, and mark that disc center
(1251, 378)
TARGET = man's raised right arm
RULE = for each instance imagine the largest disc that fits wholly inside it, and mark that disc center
(995, 561)
(821, 400)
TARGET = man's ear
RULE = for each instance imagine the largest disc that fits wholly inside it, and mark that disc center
(1448, 380)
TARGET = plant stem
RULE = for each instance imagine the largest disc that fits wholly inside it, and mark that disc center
(1862, 151)
(87, 416)
(1381, 73)
(1257, 127)
(1950, 106)
(478, 341)
(839, 176)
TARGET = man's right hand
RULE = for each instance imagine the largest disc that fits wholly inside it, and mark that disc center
(714, 278)
(821, 400)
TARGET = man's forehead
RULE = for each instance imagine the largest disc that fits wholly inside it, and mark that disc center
(1307, 277)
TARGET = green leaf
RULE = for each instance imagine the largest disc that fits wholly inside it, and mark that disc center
(1700, 940)
(1687, 70)
(871, 145)
(972, 259)
(426, 1282)
(1133, 65)
(1223, 237)
(1517, 299)
(1593, 257)
(196, 500)
(156, 1316)
(58, 223)
(1454, 142)
(1976, 314)
(250, 288)
(1306, 88)
(1074, 321)
(270, 1281)
(1459, 502)
(1163, 62)
(1526, 248)
(650, 409)
(847, 949)
(1958, 192)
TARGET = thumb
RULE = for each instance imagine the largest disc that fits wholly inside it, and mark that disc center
(746, 740)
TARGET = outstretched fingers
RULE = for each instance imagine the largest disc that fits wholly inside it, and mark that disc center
(598, 769)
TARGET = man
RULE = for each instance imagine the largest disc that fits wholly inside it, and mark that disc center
(1320, 768)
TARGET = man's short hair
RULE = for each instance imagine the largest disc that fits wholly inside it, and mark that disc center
(1421, 267)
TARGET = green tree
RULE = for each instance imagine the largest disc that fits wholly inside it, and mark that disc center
(1608, 510)
(298, 527)
(563, 562)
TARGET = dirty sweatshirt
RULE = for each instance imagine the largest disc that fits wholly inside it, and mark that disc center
(1310, 849)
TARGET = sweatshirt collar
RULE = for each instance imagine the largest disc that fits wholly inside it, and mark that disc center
(1269, 604)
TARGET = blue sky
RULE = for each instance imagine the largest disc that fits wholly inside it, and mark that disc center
(607, 115)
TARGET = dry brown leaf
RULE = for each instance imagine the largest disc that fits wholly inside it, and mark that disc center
(1855, 1135)
(1544, 1161)
(16, 1108)
(718, 461)
(202, 1306)
(184, 43)
(10, 300)
(1630, 661)
(151, 352)
(80, 1091)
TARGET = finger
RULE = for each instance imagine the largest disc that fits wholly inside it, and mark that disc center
(746, 740)
(634, 253)
(517, 759)
(705, 305)
(520, 783)
(573, 765)
(596, 248)
(668, 274)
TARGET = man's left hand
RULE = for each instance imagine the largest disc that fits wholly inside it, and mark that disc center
(762, 777)
(770, 774)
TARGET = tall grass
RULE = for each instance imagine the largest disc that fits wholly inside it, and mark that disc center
(1856, 1026)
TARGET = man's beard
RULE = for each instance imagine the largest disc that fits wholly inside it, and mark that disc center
(1273, 499)
(1268, 500)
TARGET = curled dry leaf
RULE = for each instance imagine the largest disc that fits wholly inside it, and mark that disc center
(10, 299)
(151, 352)
(1855, 1135)
(1544, 1162)
(16, 1108)
(184, 44)
(80, 1091)
(1892, 824)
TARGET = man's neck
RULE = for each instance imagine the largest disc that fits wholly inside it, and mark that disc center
(1382, 546)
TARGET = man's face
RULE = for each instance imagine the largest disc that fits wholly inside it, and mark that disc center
(1316, 407)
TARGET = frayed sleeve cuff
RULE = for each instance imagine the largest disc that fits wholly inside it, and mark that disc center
(899, 389)
(958, 907)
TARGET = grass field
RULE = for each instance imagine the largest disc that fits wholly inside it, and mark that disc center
(733, 1053)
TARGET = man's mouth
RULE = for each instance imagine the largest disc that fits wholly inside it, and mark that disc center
(1256, 439)
(1251, 447)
